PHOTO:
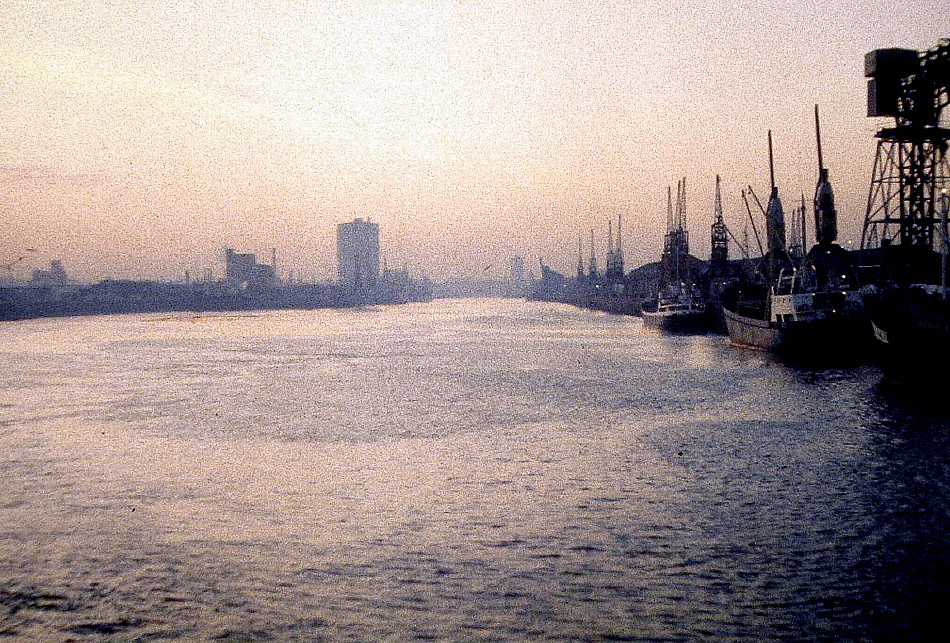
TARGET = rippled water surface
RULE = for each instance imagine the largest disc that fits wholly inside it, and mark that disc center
(462, 470)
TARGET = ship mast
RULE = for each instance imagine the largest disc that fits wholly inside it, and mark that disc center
(667, 260)
(682, 236)
(802, 222)
(944, 205)
(775, 222)
(826, 217)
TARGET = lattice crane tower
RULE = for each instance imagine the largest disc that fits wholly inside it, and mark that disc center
(910, 167)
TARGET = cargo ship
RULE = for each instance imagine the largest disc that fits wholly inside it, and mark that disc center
(806, 309)
(906, 219)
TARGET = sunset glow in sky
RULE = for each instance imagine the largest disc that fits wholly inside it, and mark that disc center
(138, 139)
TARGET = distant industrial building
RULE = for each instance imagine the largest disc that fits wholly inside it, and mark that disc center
(357, 253)
(55, 276)
(517, 278)
(243, 271)
(517, 269)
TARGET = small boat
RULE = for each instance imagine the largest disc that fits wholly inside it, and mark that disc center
(677, 309)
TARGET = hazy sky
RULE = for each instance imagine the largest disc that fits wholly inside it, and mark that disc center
(139, 138)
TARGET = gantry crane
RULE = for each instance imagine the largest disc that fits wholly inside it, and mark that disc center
(910, 167)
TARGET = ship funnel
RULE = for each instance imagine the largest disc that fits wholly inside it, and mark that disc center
(776, 223)
(775, 215)
(826, 217)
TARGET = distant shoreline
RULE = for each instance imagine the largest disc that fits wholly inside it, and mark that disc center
(109, 297)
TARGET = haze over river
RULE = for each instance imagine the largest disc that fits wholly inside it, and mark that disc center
(461, 470)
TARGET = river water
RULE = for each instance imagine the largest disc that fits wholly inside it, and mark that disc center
(461, 470)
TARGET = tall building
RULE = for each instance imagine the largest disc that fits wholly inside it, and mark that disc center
(357, 254)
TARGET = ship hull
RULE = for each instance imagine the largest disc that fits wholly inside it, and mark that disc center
(911, 328)
(616, 304)
(750, 332)
(835, 336)
(686, 323)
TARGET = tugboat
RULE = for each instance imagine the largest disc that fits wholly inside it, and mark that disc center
(679, 306)
(678, 309)
(907, 206)
(809, 309)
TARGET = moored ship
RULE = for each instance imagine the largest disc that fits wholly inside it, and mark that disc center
(677, 309)
(811, 308)
(796, 319)
(907, 207)
(679, 306)
(911, 323)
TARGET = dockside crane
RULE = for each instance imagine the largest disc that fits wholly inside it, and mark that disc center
(910, 166)
(718, 235)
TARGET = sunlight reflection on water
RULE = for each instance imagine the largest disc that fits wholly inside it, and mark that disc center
(461, 471)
